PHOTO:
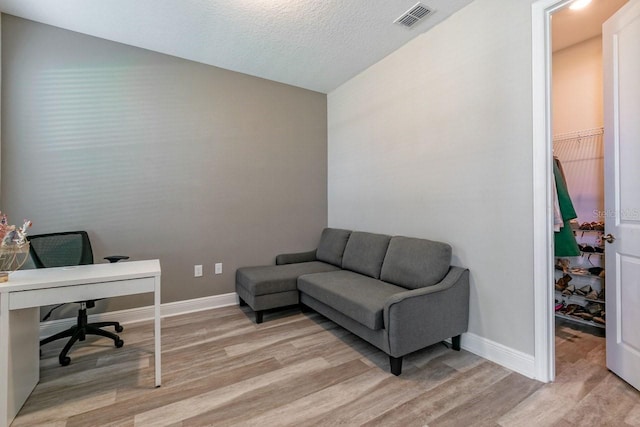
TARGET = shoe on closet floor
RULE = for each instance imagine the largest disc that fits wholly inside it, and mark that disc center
(562, 264)
(592, 295)
(562, 282)
(571, 308)
(595, 308)
(596, 270)
(584, 290)
(585, 315)
(587, 248)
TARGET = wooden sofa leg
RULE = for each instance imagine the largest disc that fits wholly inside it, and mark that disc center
(396, 365)
(241, 302)
(259, 316)
(455, 342)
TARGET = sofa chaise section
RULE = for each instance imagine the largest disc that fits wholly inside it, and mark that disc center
(274, 286)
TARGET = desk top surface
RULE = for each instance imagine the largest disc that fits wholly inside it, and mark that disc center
(25, 280)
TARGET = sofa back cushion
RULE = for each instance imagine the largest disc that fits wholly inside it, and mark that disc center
(415, 263)
(365, 252)
(331, 246)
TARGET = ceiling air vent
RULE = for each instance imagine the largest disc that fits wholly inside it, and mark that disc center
(413, 15)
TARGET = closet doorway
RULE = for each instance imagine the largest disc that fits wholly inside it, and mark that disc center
(577, 127)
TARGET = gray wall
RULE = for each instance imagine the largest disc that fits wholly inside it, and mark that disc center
(435, 141)
(158, 157)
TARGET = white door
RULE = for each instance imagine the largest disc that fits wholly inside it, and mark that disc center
(621, 58)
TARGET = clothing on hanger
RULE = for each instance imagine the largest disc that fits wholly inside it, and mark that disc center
(564, 239)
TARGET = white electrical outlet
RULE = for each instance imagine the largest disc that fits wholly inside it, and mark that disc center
(197, 271)
(218, 268)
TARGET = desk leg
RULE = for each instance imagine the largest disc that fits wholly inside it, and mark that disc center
(4, 361)
(19, 358)
(157, 332)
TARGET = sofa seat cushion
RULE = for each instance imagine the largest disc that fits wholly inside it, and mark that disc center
(271, 279)
(359, 297)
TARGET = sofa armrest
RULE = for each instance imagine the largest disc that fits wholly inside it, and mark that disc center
(296, 257)
(420, 317)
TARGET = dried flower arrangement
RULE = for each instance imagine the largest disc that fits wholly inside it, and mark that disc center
(14, 246)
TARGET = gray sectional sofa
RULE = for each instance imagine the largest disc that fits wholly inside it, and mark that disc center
(398, 293)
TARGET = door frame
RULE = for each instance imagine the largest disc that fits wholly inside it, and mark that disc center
(543, 246)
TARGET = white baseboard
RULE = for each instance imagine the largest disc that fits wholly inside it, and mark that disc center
(483, 347)
(198, 304)
(144, 313)
(515, 360)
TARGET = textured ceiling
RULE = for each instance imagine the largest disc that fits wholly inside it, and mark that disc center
(316, 45)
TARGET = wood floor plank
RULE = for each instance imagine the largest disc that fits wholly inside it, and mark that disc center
(437, 401)
(210, 400)
(127, 408)
(604, 404)
(485, 408)
(319, 404)
(391, 393)
(221, 369)
(633, 417)
(262, 399)
(261, 342)
(45, 411)
(558, 398)
(579, 374)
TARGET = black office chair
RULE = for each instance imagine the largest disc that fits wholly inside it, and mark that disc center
(66, 249)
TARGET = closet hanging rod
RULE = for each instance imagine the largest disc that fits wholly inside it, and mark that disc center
(587, 133)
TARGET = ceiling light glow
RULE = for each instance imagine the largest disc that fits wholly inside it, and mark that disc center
(579, 4)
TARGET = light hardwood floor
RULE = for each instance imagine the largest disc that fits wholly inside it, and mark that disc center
(219, 368)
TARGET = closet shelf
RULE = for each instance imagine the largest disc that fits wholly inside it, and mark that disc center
(579, 271)
(577, 230)
(581, 321)
(576, 299)
(572, 273)
(591, 253)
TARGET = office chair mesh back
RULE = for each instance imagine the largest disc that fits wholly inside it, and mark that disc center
(61, 249)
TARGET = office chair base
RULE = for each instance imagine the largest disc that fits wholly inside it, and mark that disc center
(79, 332)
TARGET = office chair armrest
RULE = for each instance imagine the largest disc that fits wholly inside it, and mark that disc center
(116, 258)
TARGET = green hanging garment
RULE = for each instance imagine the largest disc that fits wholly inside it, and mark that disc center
(565, 240)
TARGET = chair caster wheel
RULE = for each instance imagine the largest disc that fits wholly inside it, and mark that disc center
(119, 343)
(64, 361)
(119, 328)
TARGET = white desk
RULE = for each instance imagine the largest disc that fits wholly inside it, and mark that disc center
(20, 301)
